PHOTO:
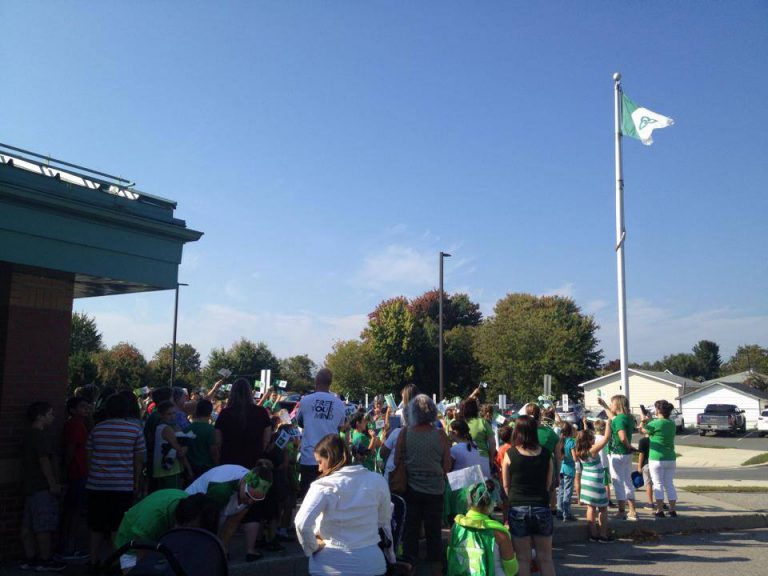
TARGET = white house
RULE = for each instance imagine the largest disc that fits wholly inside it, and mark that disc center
(645, 387)
(726, 390)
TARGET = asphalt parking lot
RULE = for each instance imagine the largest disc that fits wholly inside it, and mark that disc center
(690, 437)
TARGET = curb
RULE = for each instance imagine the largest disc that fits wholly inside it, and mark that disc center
(571, 533)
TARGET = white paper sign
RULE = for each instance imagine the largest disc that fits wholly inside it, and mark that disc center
(380, 424)
(282, 384)
(285, 418)
(566, 403)
(465, 477)
(282, 439)
(390, 398)
(225, 372)
(500, 420)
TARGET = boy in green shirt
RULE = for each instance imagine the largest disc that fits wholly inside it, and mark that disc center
(363, 442)
(205, 447)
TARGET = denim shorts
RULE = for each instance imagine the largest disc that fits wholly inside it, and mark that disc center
(525, 521)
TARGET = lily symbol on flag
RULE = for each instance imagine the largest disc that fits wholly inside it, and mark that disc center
(639, 122)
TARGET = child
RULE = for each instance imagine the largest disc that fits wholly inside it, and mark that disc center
(41, 488)
(599, 435)
(363, 443)
(169, 458)
(204, 449)
(567, 474)
(593, 492)
(74, 438)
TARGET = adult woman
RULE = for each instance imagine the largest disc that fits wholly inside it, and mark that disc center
(387, 452)
(480, 428)
(427, 458)
(527, 472)
(477, 529)
(340, 517)
(662, 460)
(243, 429)
(620, 456)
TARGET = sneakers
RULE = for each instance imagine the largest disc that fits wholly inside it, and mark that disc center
(569, 518)
(672, 514)
(659, 514)
(51, 566)
(606, 540)
(620, 516)
(29, 564)
(631, 517)
(594, 538)
(559, 515)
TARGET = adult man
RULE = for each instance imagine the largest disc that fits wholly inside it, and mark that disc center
(233, 489)
(320, 413)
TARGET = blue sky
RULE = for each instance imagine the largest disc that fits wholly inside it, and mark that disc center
(330, 150)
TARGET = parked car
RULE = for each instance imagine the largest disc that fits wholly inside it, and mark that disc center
(676, 416)
(721, 418)
(762, 424)
(573, 416)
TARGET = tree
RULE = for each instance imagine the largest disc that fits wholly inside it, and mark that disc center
(393, 336)
(122, 366)
(708, 355)
(298, 371)
(611, 366)
(188, 372)
(85, 341)
(353, 367)
(531, 336)
(245, 358)
(685, 365)
(747, 357)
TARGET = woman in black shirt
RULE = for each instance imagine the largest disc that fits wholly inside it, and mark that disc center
(527, 472)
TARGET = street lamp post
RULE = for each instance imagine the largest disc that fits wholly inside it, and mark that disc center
(443, 256)
(175, 324)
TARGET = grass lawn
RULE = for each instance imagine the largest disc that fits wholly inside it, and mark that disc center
(759, 459)
(727, 489)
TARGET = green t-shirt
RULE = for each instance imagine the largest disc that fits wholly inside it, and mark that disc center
(620, 422)
(199, 453)
(151, 517)
(360, 442)
(662, 436)
(482, 433)
(548, 438)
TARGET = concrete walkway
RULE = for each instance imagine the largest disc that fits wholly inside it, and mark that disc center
(695, 457)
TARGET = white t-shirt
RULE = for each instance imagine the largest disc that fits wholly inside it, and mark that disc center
(391, 443)
(463, 458)
(219, 475)
(320, 414)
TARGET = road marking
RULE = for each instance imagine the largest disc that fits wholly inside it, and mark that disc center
(745, 436)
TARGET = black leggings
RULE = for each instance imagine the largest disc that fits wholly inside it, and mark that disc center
(426, 508)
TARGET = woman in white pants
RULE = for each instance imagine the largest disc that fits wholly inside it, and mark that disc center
(620, 456)
(661, 457)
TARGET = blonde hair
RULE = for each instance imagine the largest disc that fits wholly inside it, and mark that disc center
(620, 404)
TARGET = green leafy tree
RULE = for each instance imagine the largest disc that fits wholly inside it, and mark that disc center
(708, 355)
(529, 336)
(354, 369)
(393, 336)
(188, 370)
(685, 365)
(749, 357)
(299, 371)
(85, 341)
(122, 366)
(244, 358)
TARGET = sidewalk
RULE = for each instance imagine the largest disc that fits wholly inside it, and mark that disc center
(697, 512)
(698, 457)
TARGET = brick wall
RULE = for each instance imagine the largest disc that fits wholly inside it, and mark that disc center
(35, 324)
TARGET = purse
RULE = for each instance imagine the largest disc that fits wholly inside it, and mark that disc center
(398, 478)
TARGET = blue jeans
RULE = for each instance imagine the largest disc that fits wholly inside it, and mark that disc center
(564, 495)
(525, 521)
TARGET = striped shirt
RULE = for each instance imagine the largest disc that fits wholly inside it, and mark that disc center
(111, 447)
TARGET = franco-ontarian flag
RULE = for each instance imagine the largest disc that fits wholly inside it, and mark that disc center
(639, 122)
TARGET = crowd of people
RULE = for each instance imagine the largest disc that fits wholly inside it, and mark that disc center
(371, 481)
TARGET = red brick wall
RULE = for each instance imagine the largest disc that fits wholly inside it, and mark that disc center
(35, 324)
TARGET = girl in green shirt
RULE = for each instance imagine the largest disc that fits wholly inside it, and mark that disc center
(661, 457)
(620, 455)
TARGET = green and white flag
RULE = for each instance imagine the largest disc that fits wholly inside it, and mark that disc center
(639, 122)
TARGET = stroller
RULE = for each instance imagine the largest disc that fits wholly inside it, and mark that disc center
(179, 552)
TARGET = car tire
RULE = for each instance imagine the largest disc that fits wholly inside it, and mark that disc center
(702, 432)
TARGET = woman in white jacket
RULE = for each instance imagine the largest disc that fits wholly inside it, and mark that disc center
(339, 520)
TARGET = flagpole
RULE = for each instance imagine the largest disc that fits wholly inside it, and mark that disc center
(620, 237)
